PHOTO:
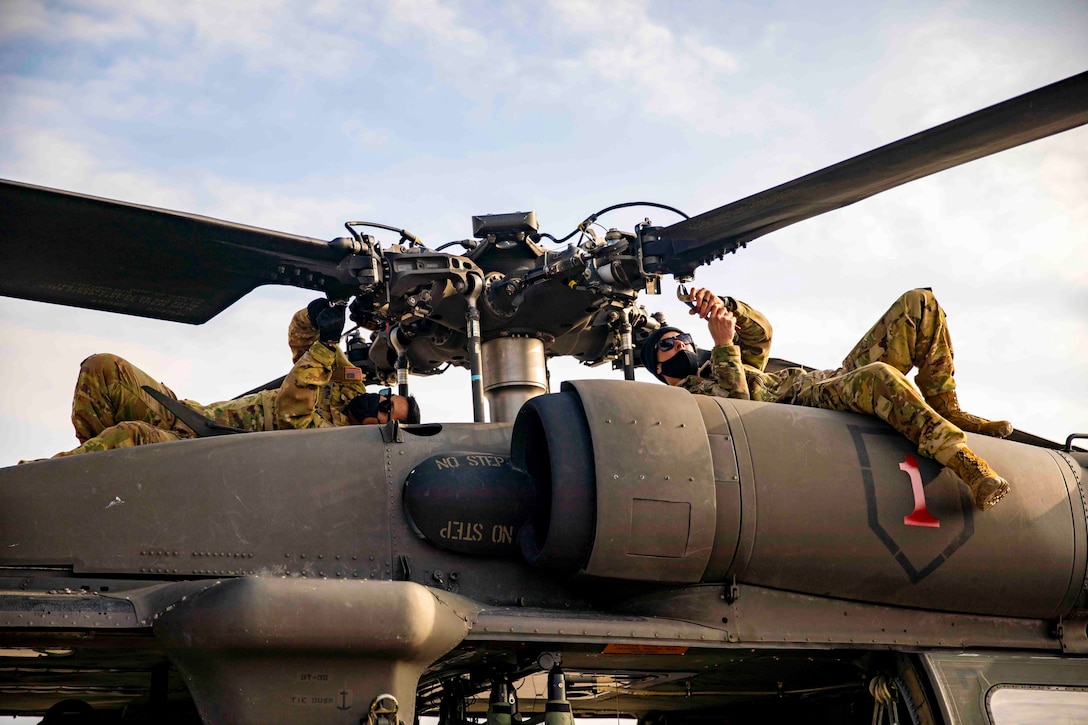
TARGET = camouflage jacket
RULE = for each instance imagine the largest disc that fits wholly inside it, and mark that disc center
(739, 370)
(313, 394)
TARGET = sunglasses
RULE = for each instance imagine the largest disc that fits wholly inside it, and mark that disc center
(670, 343)
(386, 403)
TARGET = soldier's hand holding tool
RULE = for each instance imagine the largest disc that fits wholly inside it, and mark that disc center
(703, 302)
(720, 320)
(328, 318)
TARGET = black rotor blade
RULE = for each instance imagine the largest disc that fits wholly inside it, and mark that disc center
(73, 249)
(680, 248)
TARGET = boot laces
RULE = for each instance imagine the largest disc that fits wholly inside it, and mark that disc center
(957, 416)
(972, 465)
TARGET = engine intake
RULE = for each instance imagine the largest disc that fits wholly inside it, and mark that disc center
(643, 458)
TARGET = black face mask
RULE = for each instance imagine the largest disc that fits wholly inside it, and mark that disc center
(682, 364)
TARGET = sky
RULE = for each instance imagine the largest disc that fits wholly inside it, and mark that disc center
(299, 116)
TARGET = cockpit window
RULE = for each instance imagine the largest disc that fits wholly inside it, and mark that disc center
(1021, 704)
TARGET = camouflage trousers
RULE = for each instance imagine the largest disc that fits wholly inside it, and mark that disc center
(912, 334)
(109, 410)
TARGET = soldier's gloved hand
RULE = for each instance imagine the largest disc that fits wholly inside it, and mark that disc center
(327, 318)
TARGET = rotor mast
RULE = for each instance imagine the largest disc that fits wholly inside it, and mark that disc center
(514, 371)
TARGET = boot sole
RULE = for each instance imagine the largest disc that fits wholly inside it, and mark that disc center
(986, 500)
(1003, 432)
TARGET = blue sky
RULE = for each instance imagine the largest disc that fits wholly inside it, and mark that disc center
(299, 116)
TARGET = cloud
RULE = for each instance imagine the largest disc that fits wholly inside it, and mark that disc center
(47, 381)
(300, 206)
(670, 75)
(68, 164)
(23, 18)
(438, 22)
(50, 158)
(365, 137)
(950, 61)
(172, 62)
(1064, 174)
(154, 44)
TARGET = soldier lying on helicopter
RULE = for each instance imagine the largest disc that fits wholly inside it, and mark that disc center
(912, 334)
(109, 409)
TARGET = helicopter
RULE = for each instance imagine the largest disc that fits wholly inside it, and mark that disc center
(611, 548)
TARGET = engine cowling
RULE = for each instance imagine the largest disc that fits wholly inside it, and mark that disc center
(648, 483)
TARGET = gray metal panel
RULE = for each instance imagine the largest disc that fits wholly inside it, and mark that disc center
(1074, 635)
(655, 478)
(286, 502)
(1074, 475)
(27, 610)
(714, 411)
(834, 495)
(535, 625)
(727, 482)
(769, 617)
(270, 649)
(301, 503)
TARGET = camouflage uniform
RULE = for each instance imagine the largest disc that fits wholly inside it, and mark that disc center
(109, 409)
(911, 334)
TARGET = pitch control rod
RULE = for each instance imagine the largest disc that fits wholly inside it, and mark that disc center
(472, 326)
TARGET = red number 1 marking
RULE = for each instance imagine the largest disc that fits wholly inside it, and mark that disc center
(921, 515)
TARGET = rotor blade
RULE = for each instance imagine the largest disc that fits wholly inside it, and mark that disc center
(73, 249)
(680, 248)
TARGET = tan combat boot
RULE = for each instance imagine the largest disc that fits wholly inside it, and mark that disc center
(949, 408)
(987, 487)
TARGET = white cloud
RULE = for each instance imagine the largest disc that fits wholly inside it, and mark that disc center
(365, 137)
(47, 158)
(22, 18)
(54, 375)
(439, 22)
(670, 75)
(50, 158)
(161, 42)
(290, 206)
(716, 59)
(947, 63)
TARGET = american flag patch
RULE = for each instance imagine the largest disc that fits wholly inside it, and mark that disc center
(353, 374)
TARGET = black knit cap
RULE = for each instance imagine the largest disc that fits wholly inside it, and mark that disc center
(649, 350)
